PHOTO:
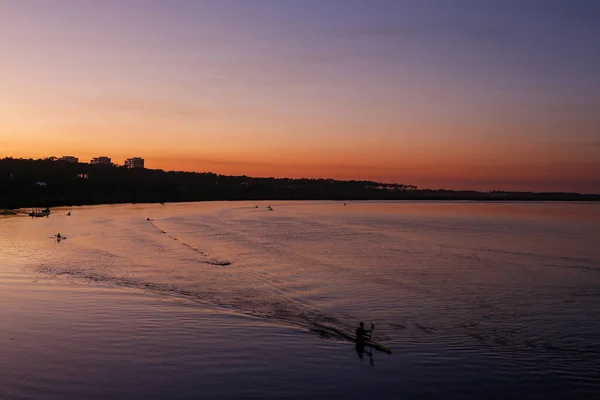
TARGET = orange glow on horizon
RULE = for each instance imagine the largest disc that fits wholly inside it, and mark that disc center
(441, 167)
(230, 88)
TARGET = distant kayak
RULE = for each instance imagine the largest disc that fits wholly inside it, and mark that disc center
(341, 334)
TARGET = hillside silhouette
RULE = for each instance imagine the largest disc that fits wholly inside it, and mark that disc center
(49, 182)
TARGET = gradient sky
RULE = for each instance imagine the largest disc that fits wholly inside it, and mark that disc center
(479, 94)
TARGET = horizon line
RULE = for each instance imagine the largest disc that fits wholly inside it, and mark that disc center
(406, 186)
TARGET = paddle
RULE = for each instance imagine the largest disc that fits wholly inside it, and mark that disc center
(372, 329)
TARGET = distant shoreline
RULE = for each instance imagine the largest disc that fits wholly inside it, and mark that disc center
(51, 183)
(26, 208)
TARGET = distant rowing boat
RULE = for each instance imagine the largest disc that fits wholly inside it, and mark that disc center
(39, 213)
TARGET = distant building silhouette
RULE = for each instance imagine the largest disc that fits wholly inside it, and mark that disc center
(134, 162)
(70, 159)
(101, 160)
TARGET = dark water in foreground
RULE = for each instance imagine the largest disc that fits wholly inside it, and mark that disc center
(218, 300)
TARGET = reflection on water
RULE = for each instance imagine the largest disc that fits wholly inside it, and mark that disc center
(469, 296)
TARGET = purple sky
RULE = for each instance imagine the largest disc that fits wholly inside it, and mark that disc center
(458, 94)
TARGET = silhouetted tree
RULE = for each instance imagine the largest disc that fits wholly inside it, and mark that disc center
(77, 184)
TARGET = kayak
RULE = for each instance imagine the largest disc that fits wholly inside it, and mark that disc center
(336, 332)
(378, 346)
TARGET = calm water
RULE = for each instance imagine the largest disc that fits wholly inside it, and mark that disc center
(222, 300)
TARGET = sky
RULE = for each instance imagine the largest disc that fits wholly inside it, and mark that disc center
(454, 94)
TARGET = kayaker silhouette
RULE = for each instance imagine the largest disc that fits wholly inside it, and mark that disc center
(362, 335)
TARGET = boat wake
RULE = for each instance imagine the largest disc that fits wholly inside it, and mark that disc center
(254, 302)
(192, 248)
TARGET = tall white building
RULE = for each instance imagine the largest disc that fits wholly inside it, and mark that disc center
(134, 162)
(70, 159)
(101, 160)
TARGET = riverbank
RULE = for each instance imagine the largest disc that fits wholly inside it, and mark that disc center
(49, 183)
(11, 208)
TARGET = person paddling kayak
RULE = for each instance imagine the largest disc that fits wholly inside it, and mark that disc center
(363, 334)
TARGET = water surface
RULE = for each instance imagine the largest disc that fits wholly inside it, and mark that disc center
(476, 300)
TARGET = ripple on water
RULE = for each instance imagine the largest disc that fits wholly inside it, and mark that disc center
(220, 301)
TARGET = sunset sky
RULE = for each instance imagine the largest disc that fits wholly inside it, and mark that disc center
(480, 94)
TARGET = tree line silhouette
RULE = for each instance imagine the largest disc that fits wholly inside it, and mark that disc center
(51, 182)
